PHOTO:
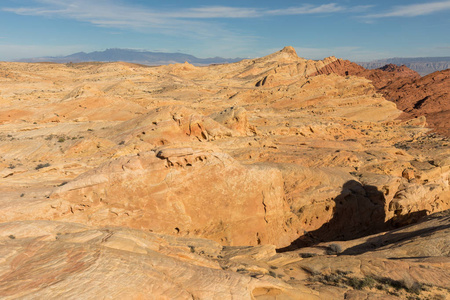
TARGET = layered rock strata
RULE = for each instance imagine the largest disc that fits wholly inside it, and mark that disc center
(264, 153)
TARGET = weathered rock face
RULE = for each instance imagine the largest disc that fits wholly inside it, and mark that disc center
(405, 262)
(417, 96)
(426, 96)
(285, 150)
(381, 77)
(258, 152)
(118, 263)
(181, 191)
(54, 260)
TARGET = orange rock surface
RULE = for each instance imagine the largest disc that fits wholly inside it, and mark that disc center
(417, 96)
(137, 164)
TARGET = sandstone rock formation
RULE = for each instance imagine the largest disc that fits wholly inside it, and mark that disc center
(254, 156)
(427, 96)
(417, 96)
(54, 260)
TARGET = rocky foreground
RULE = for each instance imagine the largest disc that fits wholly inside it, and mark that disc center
(268, 178)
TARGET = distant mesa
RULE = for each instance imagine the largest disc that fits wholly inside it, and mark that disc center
(422, 65)
(133, 56)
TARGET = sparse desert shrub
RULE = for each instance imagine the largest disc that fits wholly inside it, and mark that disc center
(61, 139)
(410, 287)
(387, 285)
(307, 255)
(334, 249)
(392, 283)
(40, 166)
(360, 283)
(333, 278)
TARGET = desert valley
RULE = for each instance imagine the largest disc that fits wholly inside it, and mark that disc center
(269, 178)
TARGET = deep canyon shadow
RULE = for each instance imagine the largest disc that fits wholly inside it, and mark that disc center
(358, 211)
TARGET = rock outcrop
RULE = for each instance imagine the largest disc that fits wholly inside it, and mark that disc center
(417, 96)
(426, 96)
(54, 260)
(263, 154)
(182, 191)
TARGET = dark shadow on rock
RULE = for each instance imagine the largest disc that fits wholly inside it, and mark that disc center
(411, 218)
(396, 236)
(358, 211)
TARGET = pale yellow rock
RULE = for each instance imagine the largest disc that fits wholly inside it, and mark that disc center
(257, 152)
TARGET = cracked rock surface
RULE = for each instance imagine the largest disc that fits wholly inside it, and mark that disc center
(266, 179)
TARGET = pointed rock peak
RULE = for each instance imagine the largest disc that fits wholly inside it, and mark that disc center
(289, 50)
(330, 59)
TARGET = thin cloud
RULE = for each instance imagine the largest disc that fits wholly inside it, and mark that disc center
(413, 10)
(360, 8)
(307, 9)
(104, 13)
(112, 14)
(209, 12)
(213, 12)
(202, 24)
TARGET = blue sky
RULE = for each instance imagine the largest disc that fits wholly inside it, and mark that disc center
(358, 30)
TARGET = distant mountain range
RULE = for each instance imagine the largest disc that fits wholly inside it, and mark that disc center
(422, 65)
(133, 56)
